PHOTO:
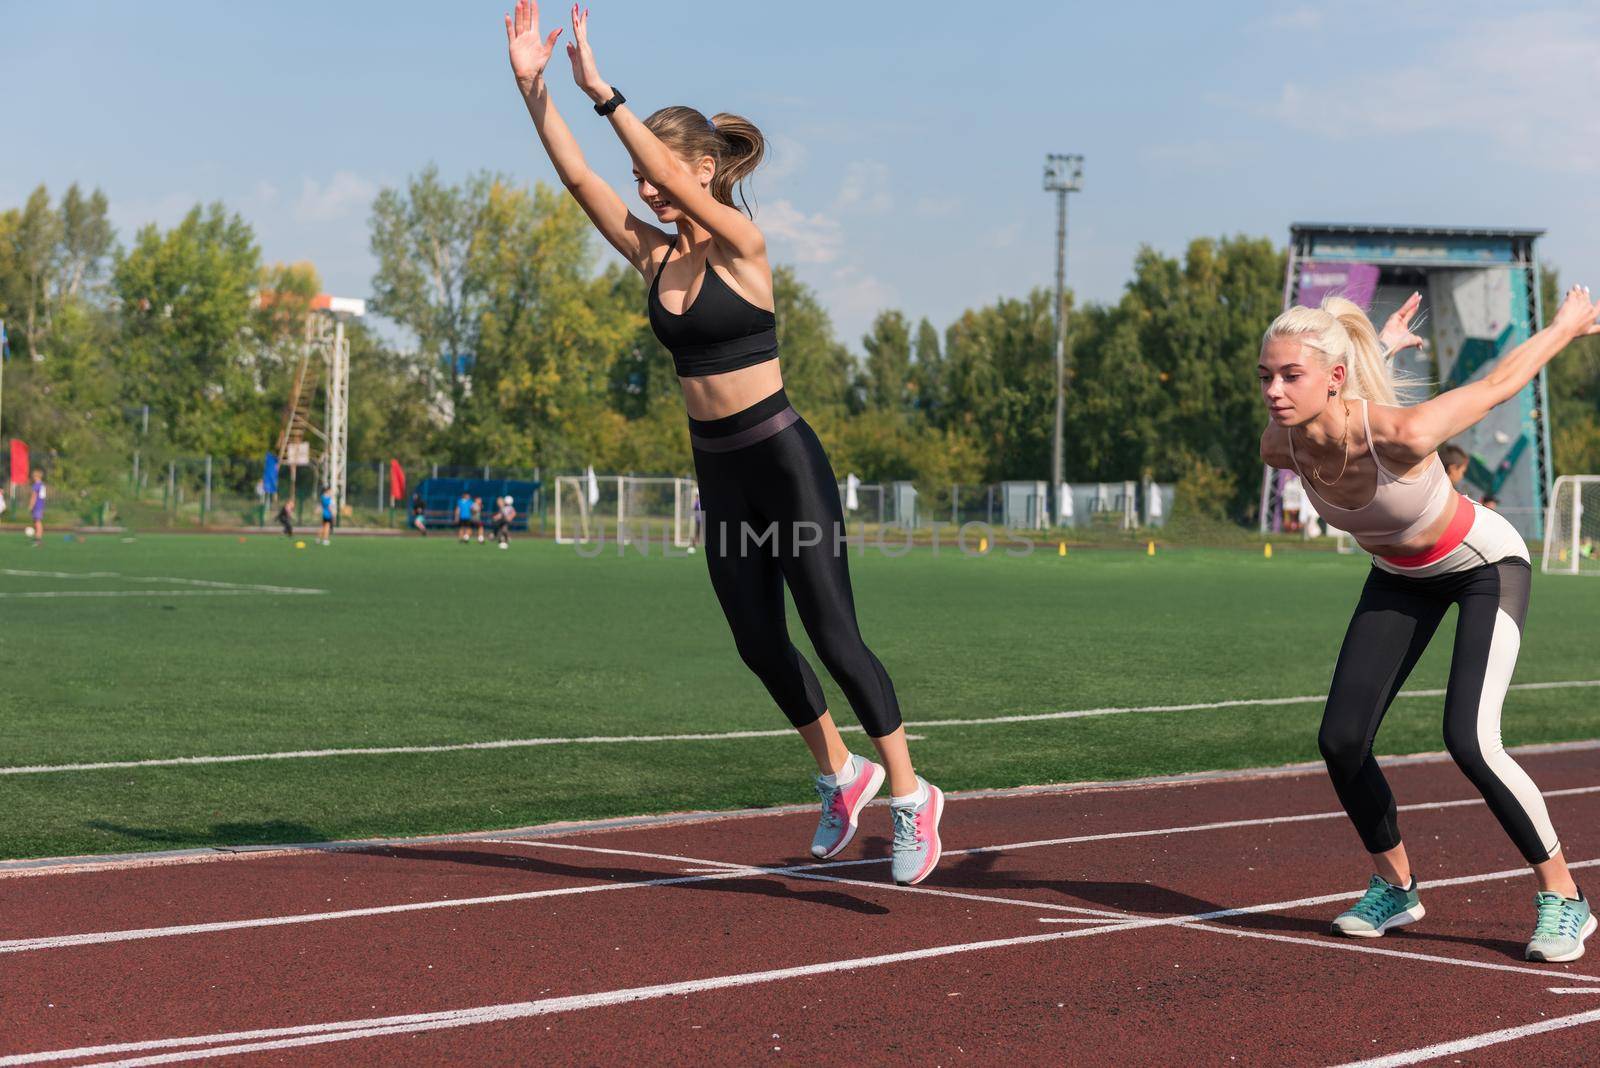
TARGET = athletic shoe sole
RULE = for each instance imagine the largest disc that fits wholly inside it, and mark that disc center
(1399, 919)
(938, 843)
(874, 784)
(1588, 929)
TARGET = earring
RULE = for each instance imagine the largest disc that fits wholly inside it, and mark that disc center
(1333, 392)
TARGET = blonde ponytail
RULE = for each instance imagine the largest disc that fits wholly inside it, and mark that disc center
(1340, 333)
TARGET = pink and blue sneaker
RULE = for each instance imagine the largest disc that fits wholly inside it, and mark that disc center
(916, 833)
(842, 804)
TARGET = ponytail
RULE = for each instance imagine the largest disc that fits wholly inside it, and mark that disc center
(1340, 333)
(743, 148)
(733, 141)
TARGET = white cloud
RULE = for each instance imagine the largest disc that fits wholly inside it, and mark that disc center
(853, 298)
(785, 157)
(936, 207)
(1001, 237)
(346, 193)
(1525, 83)
(800, 237)
(865, 188)
(1296, 18)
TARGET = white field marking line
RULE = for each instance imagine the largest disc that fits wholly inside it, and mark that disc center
(211, 583)
(1466, 1045)
(519, 743)
(53, 594)
(1308, 699)
(58, 574)
(1095, 915)
(21, 945)
(345, 1030)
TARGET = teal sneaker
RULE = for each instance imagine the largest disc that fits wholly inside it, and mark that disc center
(841, 805)
(1382, 907)
(916, 835)
(1562, 926)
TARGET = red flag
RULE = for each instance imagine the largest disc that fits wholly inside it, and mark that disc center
(19, 461)
(397, 481)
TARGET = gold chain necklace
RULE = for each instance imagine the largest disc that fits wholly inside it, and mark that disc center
(1344, 445)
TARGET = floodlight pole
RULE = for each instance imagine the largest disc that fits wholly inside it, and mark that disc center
(1062, 175)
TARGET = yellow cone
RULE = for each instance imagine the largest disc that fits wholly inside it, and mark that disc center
(299, 545)
(983, 545)
(1061, 548)
(1266, 550)
(1150, 548)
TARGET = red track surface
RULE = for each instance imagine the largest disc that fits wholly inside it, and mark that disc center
(1132, 977)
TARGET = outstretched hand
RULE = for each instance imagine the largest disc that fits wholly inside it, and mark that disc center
(1578, 313)
(1396, 333)
(584, 71)
(530, 50)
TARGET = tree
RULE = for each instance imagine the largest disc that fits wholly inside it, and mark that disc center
(424, 240)
(1573, 380)
(186, 299)
(86, 239)
(927, 375)
(887, 376)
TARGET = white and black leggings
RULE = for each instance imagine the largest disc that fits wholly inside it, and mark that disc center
(1393, 622)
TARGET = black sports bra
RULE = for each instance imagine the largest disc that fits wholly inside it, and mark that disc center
(719, 332)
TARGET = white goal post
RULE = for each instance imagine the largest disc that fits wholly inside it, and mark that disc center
(1572, 527)
(624, 509)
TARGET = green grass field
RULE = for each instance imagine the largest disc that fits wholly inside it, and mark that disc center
(424, 642)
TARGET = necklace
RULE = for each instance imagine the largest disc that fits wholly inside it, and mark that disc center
(1344, 446)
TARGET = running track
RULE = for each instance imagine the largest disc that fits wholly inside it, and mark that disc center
(1177, 922)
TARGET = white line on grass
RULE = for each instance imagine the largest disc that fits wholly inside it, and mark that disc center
(208, 587)
(1467, 1045)
(612, 739)
(55, 594)
(233, 1042)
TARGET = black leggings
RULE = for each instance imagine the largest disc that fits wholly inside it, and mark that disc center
(772, 516)
(1393, 622)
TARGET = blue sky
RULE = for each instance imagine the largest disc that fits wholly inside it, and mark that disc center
(907, 140)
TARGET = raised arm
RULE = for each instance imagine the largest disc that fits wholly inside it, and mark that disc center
(530, 52)
(655, 160)
(1418, 431)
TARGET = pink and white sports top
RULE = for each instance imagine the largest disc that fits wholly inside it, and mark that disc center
(1400, 508)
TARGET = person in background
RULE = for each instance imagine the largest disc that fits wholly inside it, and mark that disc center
(1454, 458)
(327, 516)
(477, 517)
(1491, 502)
(285, 517)
(505, 512)
(697, 512)
(38, 491)
(464, 517)
(419, 514)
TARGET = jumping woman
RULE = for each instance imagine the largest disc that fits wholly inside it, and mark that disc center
(1373, 470)
(772, 510)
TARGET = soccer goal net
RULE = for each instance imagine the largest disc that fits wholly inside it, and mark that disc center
(625, 509)
(1572, 529)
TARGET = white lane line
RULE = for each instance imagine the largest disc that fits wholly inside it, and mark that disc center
(346, 1030)
(1575, 989)
(1222, 825)
(1467, 1045)
(58, 574)
(1350, 945)
(612, 739)
(22, 945)
(719, 866)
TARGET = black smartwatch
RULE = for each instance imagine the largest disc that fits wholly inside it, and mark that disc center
(616, 101)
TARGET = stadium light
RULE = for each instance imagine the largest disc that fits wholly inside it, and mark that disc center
(1062, 175)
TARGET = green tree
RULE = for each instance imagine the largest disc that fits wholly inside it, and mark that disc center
(927, 374)
(186, 299)
(1573, 381)
(886, 378)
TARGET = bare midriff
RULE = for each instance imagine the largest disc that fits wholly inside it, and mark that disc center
(716, 396)
(1425, 540)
